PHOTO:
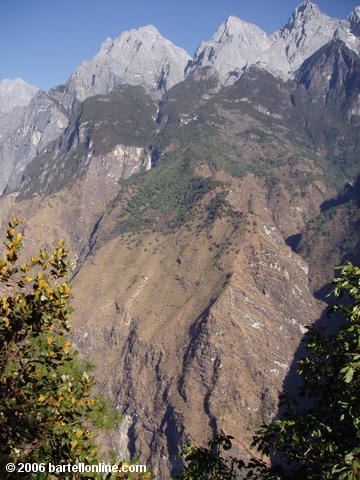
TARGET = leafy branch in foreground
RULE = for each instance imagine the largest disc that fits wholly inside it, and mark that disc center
(47, 410)
(207, 463)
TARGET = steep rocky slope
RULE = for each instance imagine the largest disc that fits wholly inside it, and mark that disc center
(235, 44)
(112, 133)
(307, 31)
(25, 133)
(197, 332)
(138, 57)
(238, 44)
(185, 291)
(144, 58)
(15, 93)
(182, 215)
(331, 238)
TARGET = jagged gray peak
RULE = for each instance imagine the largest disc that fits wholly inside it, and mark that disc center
(349, 31)
(138, 57)
(354, 21)
(15, 93)
(239, 44)
(236, 44)
(307, 30)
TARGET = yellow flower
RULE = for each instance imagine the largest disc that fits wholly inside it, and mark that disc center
(42, 283)
(11, 232)
(79, 433)
(74, 443)
(3, 262)
(25, 267)
(41, 398)
(51, 353)
(67, 345)
(18, 237)
(28, 279)
(11, 254)
(49, 340)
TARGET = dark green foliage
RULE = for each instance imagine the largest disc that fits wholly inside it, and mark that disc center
(323, 108)
(219, 158)
(168, 192)
(218, 207)
(208, 463)
(125, 116)
(185, 97)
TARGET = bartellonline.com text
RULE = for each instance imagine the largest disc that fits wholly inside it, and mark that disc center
(75, 468)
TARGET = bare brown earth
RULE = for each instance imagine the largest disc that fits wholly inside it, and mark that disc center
(192, 331)
(187, 297)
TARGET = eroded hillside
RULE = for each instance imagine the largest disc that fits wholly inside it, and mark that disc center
(178, 213)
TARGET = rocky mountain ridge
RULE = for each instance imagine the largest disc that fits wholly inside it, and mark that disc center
(15, 93)
(137, 57)
(143, 57)
(25, 133)
(180, 215)
(238, 44)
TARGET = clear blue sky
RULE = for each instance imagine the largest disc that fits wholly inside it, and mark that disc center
(42, 41)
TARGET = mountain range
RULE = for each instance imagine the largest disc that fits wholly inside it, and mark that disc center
(206, 202)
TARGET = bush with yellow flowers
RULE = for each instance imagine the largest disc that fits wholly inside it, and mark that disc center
(47, 410)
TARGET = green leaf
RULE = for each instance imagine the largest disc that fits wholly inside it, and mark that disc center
(349, 375)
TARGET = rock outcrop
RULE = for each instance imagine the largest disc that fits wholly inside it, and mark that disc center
(238, 44)
(354, 21)
(235, 44)
(25, 133)
(138, 57)
(188, 297)
(306, 32)
(15, 93)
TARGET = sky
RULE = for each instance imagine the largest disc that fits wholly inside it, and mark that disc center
(42, 41)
